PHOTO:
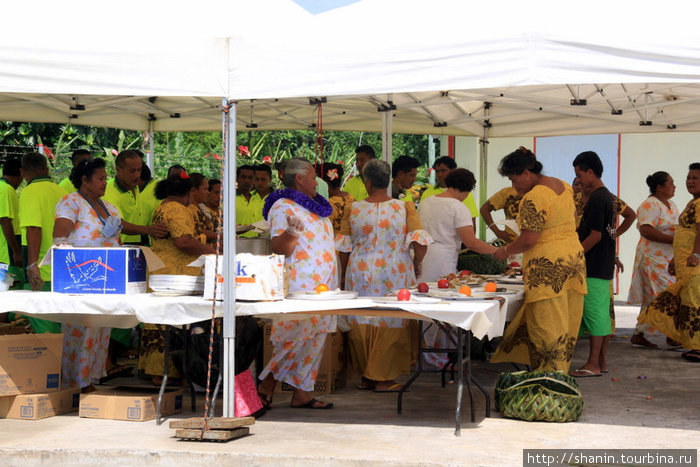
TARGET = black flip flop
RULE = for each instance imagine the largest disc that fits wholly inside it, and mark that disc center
(692, 356)
(266, 400)
(116, 372)
(310, 405)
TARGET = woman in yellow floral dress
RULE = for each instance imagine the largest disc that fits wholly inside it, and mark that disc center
(374, 241)
(544, 331)
(178, 249)
(676, 311)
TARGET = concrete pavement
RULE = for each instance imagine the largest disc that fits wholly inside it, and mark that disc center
(648, 400)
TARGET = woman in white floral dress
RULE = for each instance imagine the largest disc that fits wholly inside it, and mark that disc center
(301, 231)
(83, 219)
(375, 238)
(657, 220)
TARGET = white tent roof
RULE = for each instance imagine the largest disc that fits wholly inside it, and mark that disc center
(437, 64)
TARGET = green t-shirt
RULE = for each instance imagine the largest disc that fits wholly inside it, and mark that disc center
(468, 201)
(148, 198)
(67, 185)
(9, 207)
(253, 209)
(37, 208)
(130, 207)
(356, 187)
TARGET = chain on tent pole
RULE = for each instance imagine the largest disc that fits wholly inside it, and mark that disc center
(219, 240)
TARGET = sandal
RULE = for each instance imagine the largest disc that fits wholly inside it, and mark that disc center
(266, 400)
(312, 405)
(366, 384)
(116, 372)
(692, 356)
(640, 340)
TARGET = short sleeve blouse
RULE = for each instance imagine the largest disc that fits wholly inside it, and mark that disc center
(87, 226)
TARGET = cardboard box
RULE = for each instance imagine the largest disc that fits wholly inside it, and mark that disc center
(331, 373)
(38, 406)
(98, 270)
(130, 404)
(30, 363)
(257, 277)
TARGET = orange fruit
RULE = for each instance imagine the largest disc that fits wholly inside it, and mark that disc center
(490, 287)
(466, 290)
(321, 288)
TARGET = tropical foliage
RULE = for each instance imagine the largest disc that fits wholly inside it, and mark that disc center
(200, 151)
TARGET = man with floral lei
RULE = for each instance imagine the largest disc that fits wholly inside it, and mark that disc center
(301, 231)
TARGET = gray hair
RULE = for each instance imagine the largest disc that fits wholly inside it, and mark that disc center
(377, 172)
(294, 167)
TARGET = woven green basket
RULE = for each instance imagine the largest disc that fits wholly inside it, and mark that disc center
(548, 396)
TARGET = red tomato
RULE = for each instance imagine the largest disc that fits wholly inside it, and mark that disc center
(443, 284)
(403, 295)
(423, 287)
(466, 272)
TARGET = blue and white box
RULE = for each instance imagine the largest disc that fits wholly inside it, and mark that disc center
(76, 270)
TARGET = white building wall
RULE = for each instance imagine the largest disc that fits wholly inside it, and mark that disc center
(640, 155)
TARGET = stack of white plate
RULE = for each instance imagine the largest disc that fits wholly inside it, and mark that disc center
(171, 284)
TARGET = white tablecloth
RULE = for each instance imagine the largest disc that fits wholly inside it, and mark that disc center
(123, 311)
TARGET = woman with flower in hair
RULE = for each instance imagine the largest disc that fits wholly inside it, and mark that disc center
(375, 241)
(301, 231)
(332, 174)
(179, 248)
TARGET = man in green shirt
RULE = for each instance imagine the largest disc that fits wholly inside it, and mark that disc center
(78, 156)
(262, 180)
(123, 192)
(147, 191)
(10, 240)
(355, 186)
(443, 166)
(403, 174)
(245, 207)
(37, 208)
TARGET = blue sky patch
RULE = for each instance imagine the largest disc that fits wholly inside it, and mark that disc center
(320, 6)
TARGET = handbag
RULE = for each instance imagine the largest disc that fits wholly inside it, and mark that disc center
(549, 396)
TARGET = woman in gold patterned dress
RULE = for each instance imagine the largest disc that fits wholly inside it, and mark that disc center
(332, 174)
(544, 331)
(178, 249)
(676, 311)
(203, 220)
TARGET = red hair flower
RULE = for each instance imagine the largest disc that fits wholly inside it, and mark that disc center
(183, 175)
(332, 174)
(339, 162)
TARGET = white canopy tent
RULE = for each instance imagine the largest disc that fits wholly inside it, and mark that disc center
(501, 68)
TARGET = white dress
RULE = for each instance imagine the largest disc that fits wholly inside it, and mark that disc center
(441, 217)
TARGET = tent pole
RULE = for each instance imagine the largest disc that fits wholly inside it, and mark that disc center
(483, 167)
(151, 156)
(387, 133)
(228, 258)
(431, 159)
